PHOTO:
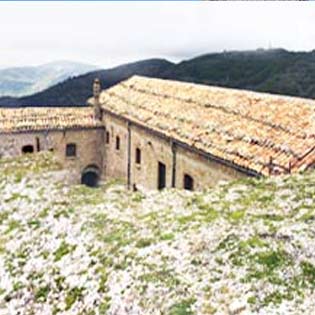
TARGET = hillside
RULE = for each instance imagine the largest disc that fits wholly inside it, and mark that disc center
(20, 81)
(75, 91)
(276, 71)
(241, 248)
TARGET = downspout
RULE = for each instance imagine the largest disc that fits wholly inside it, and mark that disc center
(103, 149)
(173, 145)
(129, 156)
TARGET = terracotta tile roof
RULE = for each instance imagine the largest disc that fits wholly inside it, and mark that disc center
(268, 134)
(24, 119)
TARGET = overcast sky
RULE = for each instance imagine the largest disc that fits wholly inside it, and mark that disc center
(110, 33)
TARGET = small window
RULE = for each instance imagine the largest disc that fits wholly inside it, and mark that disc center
(37, 144)
(161, 175)
(117, 143)
(188, 182)
(71, 149)
(27, 149)
(107, 137)
(138, 156)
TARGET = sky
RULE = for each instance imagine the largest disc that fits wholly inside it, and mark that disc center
(111, 33)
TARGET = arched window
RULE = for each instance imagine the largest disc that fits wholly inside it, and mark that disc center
(27, 149)
(117, 143)
(138, 156)
(71, 149)
(188, 182)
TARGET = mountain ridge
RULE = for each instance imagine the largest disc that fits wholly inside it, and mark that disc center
(275, 71)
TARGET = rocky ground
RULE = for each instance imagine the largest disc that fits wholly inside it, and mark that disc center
(242, 248)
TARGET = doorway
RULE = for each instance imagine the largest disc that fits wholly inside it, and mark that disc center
(188, 182)
(161, 175)
(90, 176)
(27, 149)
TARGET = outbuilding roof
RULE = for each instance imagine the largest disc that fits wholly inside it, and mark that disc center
(45, 118)
(268, 134)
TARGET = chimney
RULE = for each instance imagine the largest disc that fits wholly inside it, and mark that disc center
(96, 96)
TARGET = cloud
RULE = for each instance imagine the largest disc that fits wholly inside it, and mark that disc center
(108, 33)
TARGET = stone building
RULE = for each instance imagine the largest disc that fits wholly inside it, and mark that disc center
(74, 135)
(154, 133)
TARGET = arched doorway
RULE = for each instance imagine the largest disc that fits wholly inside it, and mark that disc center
(27, 149)
(90, 176)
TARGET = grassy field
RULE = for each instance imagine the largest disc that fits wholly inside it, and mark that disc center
(245, 247)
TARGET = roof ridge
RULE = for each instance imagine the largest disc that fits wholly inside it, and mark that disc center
(222, 88)
(222, 108)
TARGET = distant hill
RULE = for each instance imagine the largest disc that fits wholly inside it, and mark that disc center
(75, 91)
(275, 71)
(21, 81)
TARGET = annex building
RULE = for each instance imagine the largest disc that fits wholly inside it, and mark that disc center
(155, 133)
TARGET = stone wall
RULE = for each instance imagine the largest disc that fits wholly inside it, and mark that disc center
(205, 172)
(93, 149)
(155, 149)
(115, 162)
(89, 146)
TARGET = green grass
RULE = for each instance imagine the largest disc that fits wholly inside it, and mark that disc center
(160, 276)
(182, 308)
(144, 242)
(63, 249)
(237, 216)
(72, 296)
(308, 272)
(13, 225)
(42, 293)
(256, 241)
